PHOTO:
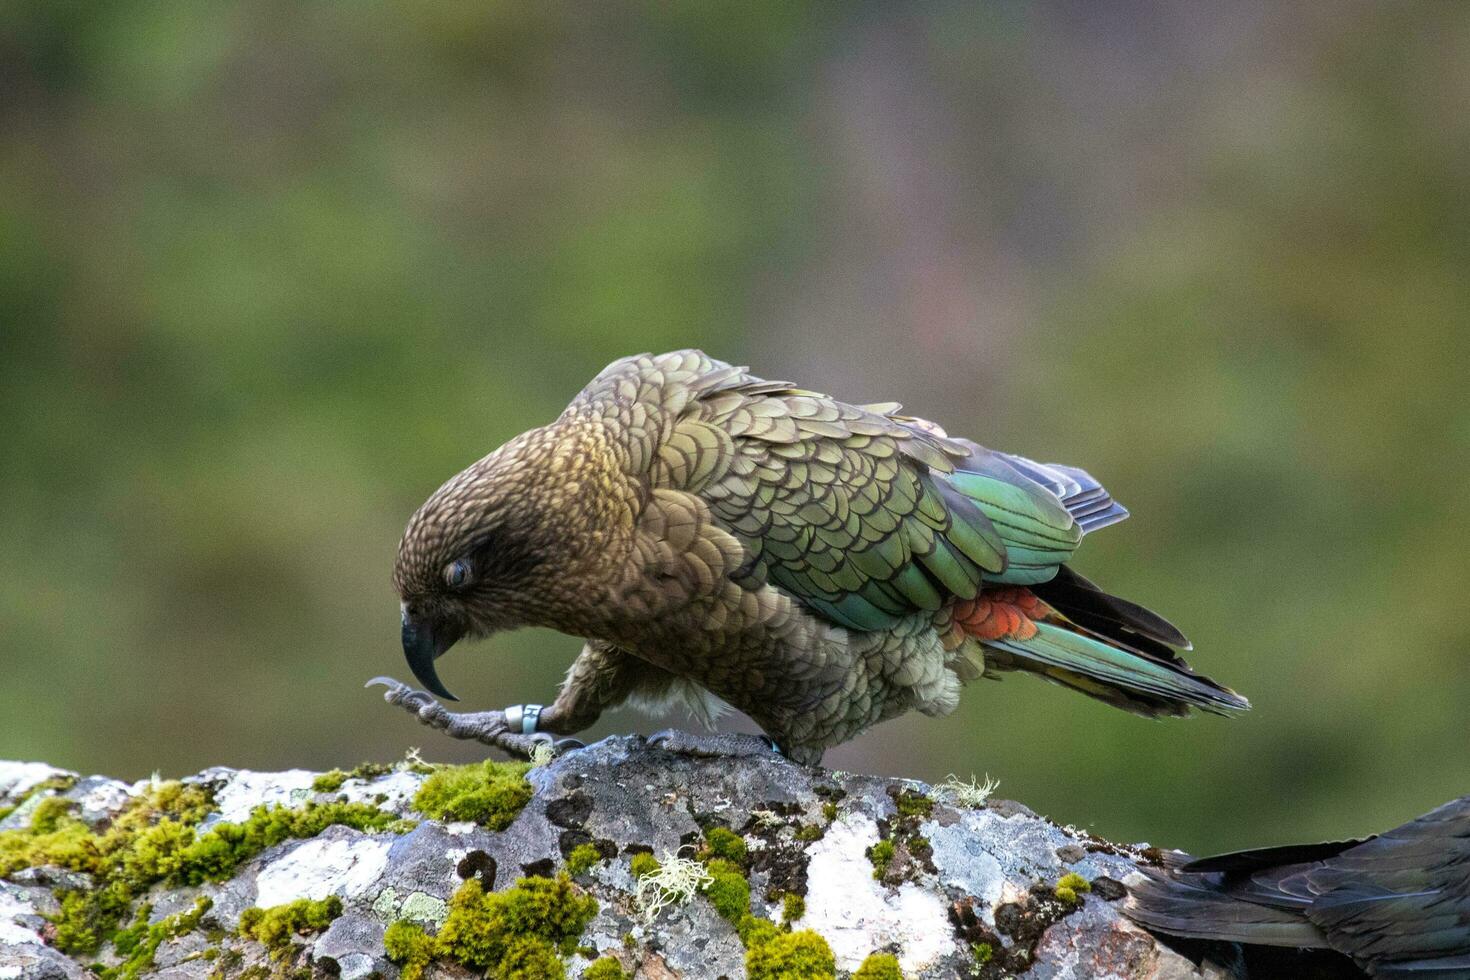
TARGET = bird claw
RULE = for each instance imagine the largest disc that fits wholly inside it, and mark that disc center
(485, 727)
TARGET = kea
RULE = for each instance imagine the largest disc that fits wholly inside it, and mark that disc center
(1397, 903)
(720, 540)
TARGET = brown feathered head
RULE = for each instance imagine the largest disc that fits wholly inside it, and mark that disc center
(519, 538)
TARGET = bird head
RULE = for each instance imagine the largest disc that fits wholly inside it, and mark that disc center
(519, 538)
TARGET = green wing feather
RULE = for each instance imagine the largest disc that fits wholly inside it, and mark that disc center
(865, 515)
(1038, 533)
(842, 506)
(1134, 681)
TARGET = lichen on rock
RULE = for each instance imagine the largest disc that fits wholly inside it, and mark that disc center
(417, 871)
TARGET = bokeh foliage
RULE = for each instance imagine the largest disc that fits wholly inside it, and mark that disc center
(270, 272)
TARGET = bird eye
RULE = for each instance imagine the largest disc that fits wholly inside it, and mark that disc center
(457, 573)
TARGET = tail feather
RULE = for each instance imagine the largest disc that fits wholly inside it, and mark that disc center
(1261, 858)
(1194, 909)
(1442, 968)
(1077, 598)
(1129, 679)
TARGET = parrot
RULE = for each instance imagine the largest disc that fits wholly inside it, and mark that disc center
(1397, 903)
(718, 540)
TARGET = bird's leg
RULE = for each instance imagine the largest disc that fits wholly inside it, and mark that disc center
(604, 675)
(491, 728)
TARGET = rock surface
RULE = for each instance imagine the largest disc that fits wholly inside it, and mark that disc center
(968, 891)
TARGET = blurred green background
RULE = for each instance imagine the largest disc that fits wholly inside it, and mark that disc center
(270, 272)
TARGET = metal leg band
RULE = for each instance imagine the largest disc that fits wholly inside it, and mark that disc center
(523, 718)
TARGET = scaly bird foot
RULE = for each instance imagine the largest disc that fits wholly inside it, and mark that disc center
(720, 745)
(487, 727)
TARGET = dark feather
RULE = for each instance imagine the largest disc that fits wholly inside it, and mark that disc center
(1398, 903)
(1245, 862)
(1198, 909)
(1086, 605)
(1444, 968)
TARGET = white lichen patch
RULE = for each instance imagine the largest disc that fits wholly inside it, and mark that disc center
(423, 907)
(18, 778)
(418, 906)
(245, 790)
(13, 905)
(541, 755)
(385, 906)
(969, 793)
(675, 882)
(767, 819)
(391, 792)
(857, 914)
(318, 868)
(20, 817)
(965, 863)
(102, 798)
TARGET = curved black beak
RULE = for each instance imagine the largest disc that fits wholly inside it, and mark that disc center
(423, 643)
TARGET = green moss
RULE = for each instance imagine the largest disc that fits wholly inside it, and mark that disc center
(490, 930)
(582, 859)
(728, 890)
(49, 814)
(829, 811)
(409, 946)
(629, 940)
(643, 864)
(521, 932)
(606, 968)
(1075, 882)
(87, 919)
(329, 782)
(913, 804)
(55, 785)
(810, 832)
(215, 856)
(489, 793)
(1070, 886)
(139, 943)
(153, 839)
(53, 837)
(881, 854)
(276, 925)
(722, 843)
(116, 858)
(755, 931)
(229, 961)
(983, 952)
(793, 907)
(530, 958)
(371, 770)
(127, 939)
(791, 956)
(879, 966)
